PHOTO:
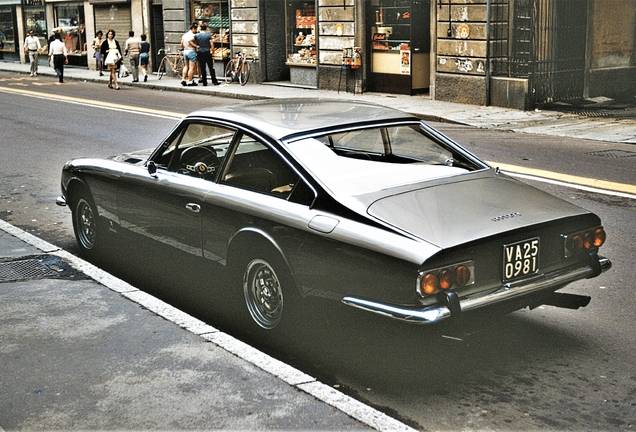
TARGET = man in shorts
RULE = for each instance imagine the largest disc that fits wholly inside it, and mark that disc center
(189, 56)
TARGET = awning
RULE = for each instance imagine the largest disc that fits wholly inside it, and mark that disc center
(106, 2)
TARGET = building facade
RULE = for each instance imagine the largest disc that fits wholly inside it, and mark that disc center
(511, 53)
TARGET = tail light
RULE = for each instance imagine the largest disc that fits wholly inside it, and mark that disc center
(584, 241)
(454, 276)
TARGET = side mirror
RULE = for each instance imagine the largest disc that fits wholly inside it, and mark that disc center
(152, 169)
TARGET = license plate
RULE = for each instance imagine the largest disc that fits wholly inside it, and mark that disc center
(520, 259)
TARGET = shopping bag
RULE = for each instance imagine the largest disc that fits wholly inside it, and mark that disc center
(123, 71)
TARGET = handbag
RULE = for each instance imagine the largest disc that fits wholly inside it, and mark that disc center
(112, 58)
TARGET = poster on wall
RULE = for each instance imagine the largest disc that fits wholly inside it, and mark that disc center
(405, 61)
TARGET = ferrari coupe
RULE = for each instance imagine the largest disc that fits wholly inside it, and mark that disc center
(343, 200)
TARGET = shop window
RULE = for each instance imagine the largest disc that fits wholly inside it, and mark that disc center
(70, 23)
(35, 19)
(301, 32)
(7, 30)
(217, 17)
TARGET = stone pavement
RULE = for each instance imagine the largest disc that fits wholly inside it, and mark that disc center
(612, 129)
(83, 350)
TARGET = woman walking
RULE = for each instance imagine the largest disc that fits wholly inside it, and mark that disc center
(144, 57)
(111, 53)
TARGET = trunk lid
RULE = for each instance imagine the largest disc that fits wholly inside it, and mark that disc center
(454, 213)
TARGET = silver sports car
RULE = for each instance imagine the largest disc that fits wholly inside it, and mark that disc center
(343, 200)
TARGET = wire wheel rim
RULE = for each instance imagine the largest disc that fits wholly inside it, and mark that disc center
(86, 224)
(263, 294)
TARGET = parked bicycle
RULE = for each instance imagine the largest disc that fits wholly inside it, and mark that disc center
(238, 68)
(171, 62)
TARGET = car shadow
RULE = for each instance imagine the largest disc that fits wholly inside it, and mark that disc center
(354, 349)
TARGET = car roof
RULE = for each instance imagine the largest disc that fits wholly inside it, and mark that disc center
(280, 118)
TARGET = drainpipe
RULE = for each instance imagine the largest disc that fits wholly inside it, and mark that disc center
(487, 65)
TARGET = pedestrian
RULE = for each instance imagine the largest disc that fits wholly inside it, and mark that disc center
(144, 56)
(57, 52)
(204, 55)
(189, 56)
(111, 53)
(32, 47)
(97, 47)
(132, 48)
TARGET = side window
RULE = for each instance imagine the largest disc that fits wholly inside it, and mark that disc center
(256, 167)
(198, 149)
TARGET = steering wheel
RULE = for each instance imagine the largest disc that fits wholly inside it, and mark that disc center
(200, 160)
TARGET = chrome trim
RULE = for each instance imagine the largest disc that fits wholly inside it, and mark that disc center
(61, 201)
(507, 291)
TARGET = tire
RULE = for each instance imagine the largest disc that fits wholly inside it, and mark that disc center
(162, 69)
(228, 76)
(244, 74)
(269, 293)
(178, 67)
(86, 225)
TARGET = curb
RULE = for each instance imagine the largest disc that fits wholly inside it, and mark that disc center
(295, 378)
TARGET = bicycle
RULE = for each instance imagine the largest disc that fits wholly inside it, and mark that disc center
(171, 62)
(238, 69)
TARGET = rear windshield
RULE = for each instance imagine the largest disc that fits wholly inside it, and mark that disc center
(366, 160)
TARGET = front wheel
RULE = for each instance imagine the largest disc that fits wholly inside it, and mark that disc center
(229, 72)
(86, 224)
(162, 69)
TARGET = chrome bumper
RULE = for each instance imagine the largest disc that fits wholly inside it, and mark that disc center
(61, 201)
(507, 291)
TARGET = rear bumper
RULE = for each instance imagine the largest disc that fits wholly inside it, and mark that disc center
(455, 306)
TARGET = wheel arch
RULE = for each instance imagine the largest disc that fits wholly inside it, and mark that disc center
(253, 238)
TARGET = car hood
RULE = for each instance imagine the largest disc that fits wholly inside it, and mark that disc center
(454, 213)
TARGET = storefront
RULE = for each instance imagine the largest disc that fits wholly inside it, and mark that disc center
(70, 22)
(8, 32)
(301, 42)
(216, 14)
(399, 46)
(34, 18)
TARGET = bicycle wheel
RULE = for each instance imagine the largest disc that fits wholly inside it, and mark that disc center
(229, 72)
(162, 68)
(244, 73)
(178, 66)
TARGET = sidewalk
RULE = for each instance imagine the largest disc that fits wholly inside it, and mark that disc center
(81, 349)
(620, 130)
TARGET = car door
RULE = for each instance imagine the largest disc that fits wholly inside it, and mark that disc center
(166, 206)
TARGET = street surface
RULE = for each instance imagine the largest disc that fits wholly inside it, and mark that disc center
(545, 369)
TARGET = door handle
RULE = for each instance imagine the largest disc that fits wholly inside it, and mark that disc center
(194, 208)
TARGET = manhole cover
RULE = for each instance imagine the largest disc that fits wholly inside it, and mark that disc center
(613, 153)
(25, 269)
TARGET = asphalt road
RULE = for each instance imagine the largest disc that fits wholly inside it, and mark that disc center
(546, 369)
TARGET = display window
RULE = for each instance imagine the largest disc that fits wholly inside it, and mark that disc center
(216, 14)
(7, 30)
(69, 18)
(301, 32)
(35, 19)
(400, 45)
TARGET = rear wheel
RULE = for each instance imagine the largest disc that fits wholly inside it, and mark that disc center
(269, 296)
(244, 73)
(178, 67)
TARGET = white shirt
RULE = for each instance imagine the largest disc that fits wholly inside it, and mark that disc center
(186, 39)
(32, 43)
(57, 47)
